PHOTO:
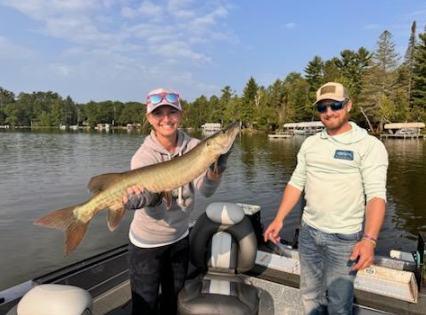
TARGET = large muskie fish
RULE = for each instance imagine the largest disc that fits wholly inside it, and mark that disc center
(109, 189)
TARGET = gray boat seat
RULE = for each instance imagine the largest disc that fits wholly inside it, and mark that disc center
(55, 299)
(222, 245)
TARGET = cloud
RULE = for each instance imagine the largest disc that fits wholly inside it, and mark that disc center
(122, 40)
(146, 9)
(290, 25)
(61, 70)
(9, 50)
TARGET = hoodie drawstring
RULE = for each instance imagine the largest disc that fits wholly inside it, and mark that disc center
(180, 191)
(180, 199)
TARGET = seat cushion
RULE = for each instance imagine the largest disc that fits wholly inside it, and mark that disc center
(210, 294)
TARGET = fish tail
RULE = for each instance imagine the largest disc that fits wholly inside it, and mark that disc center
(65, 220)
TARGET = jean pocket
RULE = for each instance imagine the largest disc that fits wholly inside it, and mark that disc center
(353, 237)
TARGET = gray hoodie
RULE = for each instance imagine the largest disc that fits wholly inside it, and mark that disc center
(157, 225)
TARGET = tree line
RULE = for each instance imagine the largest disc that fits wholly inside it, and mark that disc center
(384, 86)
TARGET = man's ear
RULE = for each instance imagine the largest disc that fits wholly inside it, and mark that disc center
(349, 105)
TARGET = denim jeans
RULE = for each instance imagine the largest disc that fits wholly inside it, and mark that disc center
(327, 281)
(151, 267)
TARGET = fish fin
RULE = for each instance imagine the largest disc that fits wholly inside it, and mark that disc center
(65, 220)
(114, 217)
(169, 198)
(101, 182)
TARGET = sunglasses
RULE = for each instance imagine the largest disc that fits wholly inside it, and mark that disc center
(157, 98)
(335, 106)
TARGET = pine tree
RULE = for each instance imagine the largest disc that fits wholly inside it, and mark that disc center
(379, 82)
(409, 62)
(353, 65)
(315, 76)
(419, 78)
(248, 102)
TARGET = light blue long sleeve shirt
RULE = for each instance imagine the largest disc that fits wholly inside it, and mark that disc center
(337, 174)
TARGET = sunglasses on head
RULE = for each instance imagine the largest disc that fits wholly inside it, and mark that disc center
(334, 106)
(157, 98)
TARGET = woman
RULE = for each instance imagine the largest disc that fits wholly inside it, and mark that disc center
(159, 243)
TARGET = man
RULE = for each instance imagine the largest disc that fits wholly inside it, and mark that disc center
(339, 168)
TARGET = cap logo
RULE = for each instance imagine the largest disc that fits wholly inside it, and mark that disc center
(328, 89)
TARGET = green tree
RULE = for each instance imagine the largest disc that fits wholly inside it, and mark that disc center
(332, 72)
(419, 78)
(248, 102)
(315, 76)
(353, 66)
(380, 82)
(408, 65)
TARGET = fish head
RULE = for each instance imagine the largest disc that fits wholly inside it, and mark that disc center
(220, 142)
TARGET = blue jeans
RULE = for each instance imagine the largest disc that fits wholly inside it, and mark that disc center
(326, 281)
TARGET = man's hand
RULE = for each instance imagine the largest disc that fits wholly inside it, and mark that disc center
(364, 251)
(272, 231)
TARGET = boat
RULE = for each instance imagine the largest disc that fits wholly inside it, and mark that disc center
(211, 127)
(408, 130)
(101, 127)
(99, 285)
(287, 132)
(308, 128)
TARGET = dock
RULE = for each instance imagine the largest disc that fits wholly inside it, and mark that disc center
(395, 136)
(279, 135)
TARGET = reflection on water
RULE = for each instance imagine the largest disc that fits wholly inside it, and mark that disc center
(41, 172)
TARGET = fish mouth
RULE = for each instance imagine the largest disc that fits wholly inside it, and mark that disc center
(231, 131)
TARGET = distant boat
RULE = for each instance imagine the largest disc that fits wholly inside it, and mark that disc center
(308, 128)
(101, 127)
(302, 128)
(211, 127)
(408, 130)
(133, 126)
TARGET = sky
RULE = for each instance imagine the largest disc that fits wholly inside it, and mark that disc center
(121, 49)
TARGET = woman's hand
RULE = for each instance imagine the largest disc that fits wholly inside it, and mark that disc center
(136, 198)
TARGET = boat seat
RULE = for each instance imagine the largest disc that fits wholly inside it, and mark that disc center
(55, 299)
(222, 245)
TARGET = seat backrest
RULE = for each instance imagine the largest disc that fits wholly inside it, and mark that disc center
(55, 299)
(223, 240)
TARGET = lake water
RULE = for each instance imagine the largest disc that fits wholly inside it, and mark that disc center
(44, 171)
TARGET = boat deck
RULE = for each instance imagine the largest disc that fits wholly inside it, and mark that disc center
(274, 299)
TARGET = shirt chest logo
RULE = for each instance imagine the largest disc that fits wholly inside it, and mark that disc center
(344, 155)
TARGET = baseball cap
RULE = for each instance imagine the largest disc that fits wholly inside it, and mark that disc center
(332, 91)
(160, 97)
